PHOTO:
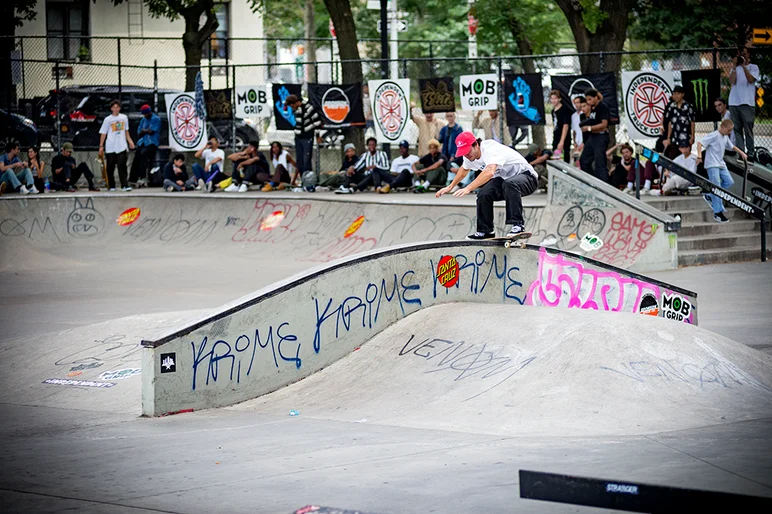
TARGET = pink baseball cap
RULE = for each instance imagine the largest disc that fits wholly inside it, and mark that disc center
(464, 143)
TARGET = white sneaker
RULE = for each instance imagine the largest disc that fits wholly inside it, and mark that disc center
(655, 192)
(243, 188)
(127, 189)
(323, 189)
(33, 190)
(23, 190)
(343, 190)
(112, 189)
(169, 189)
(209, 187)
(231, 188)
(201, 185)
(628, 190)
(426, 184)
(297, 190)
(646, 191)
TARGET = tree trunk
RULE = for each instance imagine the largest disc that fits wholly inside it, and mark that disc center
(351, 65)
(525, 47)
(609, 36)
(310, 42)
(194, 38)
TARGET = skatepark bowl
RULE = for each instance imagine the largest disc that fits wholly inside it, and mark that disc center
(258, 353)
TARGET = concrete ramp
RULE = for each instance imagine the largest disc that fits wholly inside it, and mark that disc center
(525, 371)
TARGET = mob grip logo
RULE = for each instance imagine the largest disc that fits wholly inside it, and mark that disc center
(700, 90)
(676, 307)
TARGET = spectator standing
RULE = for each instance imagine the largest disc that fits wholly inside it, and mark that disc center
(596, 137)
(580, 104)
(402, 167)
(65, 172)
(723, 110)
(490, 122)
(149, 133)
(307, 120)
(428, 128)
(176, 175)
(448, 135)
(247, 164)
(14, 173)
(432, 167)
(114, 144)
(715, 144)
(680, 116)
(211, 173)
(283, 166)
(742, 98)
(561, 121)
(36, 166)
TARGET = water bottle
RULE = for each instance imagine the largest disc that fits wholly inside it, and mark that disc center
(48, 186)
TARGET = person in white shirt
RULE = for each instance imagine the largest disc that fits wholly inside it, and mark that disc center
(676, 183)
(114, 144)
(742, 98)
(402, 167)
(211, 173)
(723, 111)
(502, 173)
(580, 103)
(715, 144)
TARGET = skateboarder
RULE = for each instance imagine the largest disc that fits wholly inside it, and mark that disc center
(502, 173)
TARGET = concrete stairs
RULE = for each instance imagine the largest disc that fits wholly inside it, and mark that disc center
(703, 241)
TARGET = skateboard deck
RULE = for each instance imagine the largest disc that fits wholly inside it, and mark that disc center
(518, 240)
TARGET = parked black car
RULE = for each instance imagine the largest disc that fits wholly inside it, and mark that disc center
(15, 127)
(84, 107)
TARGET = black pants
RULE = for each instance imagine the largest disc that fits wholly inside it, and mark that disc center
(249, 173)
(595, 152)
(618, 178)
(280, 175)
(304, 149)
(355, 179)
(375, 179)
(59, 180)
(566, 147)
(143, 161)
(119, 159)
(404, 179)
(511, 190)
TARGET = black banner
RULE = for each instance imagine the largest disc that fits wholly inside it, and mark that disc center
(571, 86)
(437, 95)
(285, 118)
(338, 105)
(218, 104)
(524, 99)
(701, 88)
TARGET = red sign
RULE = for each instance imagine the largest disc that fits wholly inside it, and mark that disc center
(128, 217)
(447, 271)
(472, 21)
(332, 28)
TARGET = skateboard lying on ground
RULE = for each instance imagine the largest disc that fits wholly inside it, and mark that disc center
(518, 240)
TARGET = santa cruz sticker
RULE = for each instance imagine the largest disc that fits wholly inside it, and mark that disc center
(447, 271)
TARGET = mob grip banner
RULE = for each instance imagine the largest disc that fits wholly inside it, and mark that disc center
(479, 92)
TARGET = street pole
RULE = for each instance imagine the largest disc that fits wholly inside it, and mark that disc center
(472, 33)
(384, 55)
(393, 34)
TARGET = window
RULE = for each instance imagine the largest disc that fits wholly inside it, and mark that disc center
(67, 28)
(217, 46)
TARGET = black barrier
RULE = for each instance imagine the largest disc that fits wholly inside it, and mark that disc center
(709, 187)
(633, 496)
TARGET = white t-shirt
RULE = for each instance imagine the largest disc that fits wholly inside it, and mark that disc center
(115, 127)
(689, 163)
(677, 181)
(282, 159)
(743, 92)
(210, 155)
(404, 163)
(507, 160)
(728, 116)
(715, 144)
(575, 120)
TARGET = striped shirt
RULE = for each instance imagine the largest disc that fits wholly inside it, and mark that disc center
(379, 159)
(307, 120)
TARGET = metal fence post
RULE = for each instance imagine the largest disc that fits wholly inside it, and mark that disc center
(23, 73)
(715, 67)
(233, 109)
(58, 111)
(404, 68)
(155, 85)
(637, 179)
(209, 41)
(431, 60)
(120, 72)
(601, 63)
(227, 62)
(500, 102)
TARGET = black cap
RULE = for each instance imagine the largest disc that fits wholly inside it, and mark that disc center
(678, 89)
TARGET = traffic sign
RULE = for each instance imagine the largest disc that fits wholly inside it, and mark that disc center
(762, 36)
(401, 25)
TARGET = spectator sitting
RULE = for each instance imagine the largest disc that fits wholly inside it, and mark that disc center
(36, 166)
(283, 166)
(620, 166)
(341, 178)
(432, 167)
(176, 176)
(246, 166)
(429, 128)
(648, 171)
(402, 167)
(65, 172)
(537, 158)
(211, 175)
(14, 171)
(372, 168)
(676, 184)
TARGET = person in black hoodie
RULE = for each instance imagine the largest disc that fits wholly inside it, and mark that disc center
(176, 176)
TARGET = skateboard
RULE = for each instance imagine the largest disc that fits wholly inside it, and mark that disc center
(518, 240)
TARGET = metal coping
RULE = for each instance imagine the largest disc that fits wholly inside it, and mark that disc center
(671, 224)
(375, 255)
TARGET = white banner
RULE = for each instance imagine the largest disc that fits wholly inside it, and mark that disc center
(390, 104)
(186, 131)
(253, 102)
(646, 94)
(479, 92)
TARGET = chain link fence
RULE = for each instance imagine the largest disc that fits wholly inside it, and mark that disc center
(137, 69)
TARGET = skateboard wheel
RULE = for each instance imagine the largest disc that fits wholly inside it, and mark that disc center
(507, 244)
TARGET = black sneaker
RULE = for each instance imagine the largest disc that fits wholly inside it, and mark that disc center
(515, 230)
(481, 235)
(707, 198)
(721, 218)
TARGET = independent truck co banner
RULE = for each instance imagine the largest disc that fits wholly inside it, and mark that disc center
(701, 88)
(437, 95)
(571, 86)
(646, 95)
(285, 118)
(523, 99)
(479, 92)
(391, 108)
(186, 131)
(338, 105)
(252, 102)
